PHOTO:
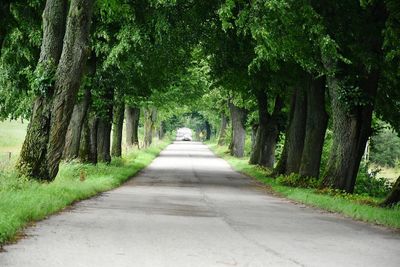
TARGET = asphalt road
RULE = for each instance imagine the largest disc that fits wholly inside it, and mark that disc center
(189, 208)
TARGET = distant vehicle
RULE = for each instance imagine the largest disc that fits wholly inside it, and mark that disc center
(184, 134)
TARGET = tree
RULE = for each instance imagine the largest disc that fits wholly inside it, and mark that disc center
(353, 87)
(62, 60)
(32, 161)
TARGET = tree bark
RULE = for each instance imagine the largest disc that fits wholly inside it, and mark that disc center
(132, 126)
(150, 117)
(222, 130)
(32, 161)
(351, 130)
(68, 78)
(238, 118)
(73, 136)
(394, 196)
(316, 123)
(118, 123)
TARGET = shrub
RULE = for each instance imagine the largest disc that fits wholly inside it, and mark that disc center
(368, 183)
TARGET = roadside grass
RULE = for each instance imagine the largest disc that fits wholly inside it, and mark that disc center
(354, 206)
(23, 201)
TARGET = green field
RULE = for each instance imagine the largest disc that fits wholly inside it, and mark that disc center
(12, 134)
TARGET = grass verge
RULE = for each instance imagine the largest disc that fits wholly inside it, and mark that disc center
(23, 201)
(347, 206)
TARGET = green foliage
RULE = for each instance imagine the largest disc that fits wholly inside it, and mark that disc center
(43, 78)
(19, 53)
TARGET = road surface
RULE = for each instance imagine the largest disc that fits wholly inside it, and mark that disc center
(189, 208)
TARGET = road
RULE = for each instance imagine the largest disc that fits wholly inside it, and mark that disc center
(189, 208)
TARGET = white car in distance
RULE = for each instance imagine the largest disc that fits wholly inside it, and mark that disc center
(184, 134)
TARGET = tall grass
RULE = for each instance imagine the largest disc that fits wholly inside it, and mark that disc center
(23, 201)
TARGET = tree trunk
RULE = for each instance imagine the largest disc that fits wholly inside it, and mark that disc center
(84, 146)
(68, 78)
(104, 127)
(132, 126)
(208, 130)
(282, 163)
(93, 125)
(296, 134)
(317, 121)
(254, 130)
(32, 161)
(222, 130)
(267, 157)
(394, 196)
(150, 117)
(104, 141)
(262, 103)
(117, 130)
(162, 130)
(73, 136)
(263, 152)
(351, 130)
(85, 142)
(238, 117)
